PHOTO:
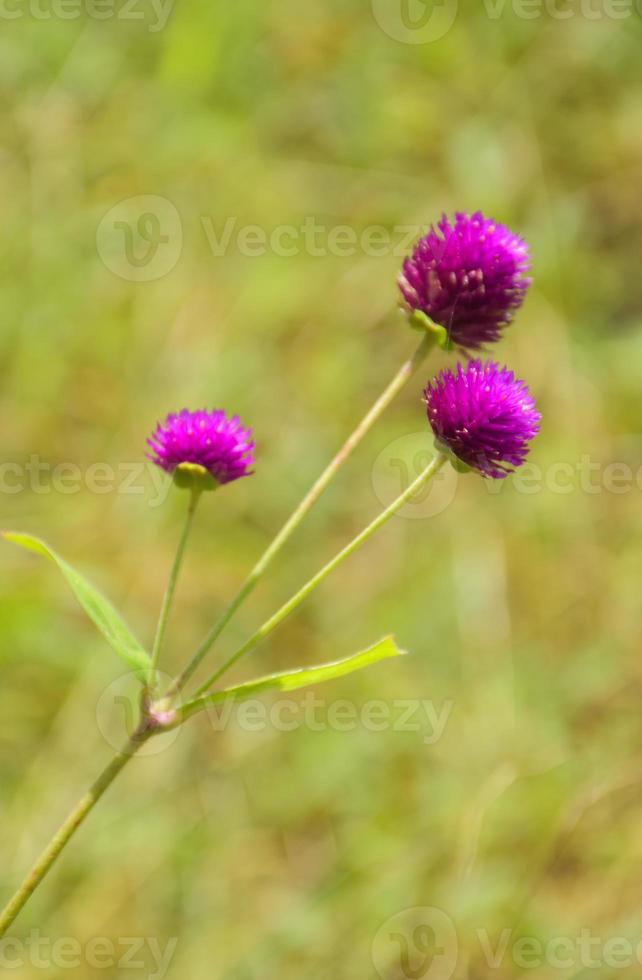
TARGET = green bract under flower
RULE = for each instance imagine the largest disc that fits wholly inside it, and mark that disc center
(193, 476)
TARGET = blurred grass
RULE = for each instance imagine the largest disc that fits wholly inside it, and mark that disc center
(281, 854)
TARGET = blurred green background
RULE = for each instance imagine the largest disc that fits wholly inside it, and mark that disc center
(283, 854)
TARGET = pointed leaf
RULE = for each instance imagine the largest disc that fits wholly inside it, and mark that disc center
(291, 680)
(99, 610)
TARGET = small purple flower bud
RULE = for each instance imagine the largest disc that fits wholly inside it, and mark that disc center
(469, 277)
(483, 415)
(209, 445)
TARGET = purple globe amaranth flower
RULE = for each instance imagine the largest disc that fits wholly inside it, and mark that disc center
(468, 276)
(191, 443)
(483, 415)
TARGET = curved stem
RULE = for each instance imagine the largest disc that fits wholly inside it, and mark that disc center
(58, 842)
(396, 385)
(173, 579)
(433, 467)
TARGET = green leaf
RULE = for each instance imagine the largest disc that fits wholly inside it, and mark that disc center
(99, 610)
(291, 680)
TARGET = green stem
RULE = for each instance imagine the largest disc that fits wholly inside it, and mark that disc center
(58, 842)
(396, 385)
(433, 467)
(173, 578)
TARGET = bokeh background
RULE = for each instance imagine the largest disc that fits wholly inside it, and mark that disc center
(286, 854)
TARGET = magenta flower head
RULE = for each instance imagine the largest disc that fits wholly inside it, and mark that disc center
(483, 415)
(202, 448)
(469, 277)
